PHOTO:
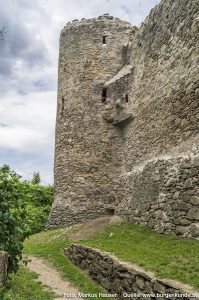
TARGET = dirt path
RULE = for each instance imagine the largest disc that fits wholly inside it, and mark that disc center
(50, 277)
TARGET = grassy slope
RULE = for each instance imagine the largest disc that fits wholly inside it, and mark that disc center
(50, 245)
(167, 256)
(25, 287)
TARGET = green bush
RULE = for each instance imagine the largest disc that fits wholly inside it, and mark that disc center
(38, 206)
(13, 230)
(24, 210)
(36, 217)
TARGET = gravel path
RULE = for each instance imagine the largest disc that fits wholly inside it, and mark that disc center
(50, 277)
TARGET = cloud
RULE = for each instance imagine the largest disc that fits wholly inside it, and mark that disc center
(28, 73)
(30, 124)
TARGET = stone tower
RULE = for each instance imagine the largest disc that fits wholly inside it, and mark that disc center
(127, 136)
(87, 154)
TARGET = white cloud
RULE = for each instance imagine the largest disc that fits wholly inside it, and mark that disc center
(29, 121)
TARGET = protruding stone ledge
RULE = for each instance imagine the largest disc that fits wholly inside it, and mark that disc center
(123, 120)
(126, 70)
(125, 278)
(3, 267)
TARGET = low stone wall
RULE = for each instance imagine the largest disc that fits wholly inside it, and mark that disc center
(125, 279)
(3, 267)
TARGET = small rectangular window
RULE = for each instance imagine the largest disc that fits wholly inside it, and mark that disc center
(62, 106)
(104, 94)
(126, 98)
(104, 40)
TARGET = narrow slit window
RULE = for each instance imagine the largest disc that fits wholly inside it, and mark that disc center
(104, 94)
(62, 106)
(126, 98)
(104, 40)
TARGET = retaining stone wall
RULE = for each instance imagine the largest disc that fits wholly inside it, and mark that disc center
(124, 278)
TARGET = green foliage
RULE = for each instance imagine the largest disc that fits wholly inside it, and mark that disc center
(36, 178)
(24, 210)
(23, 286)
(38, 206)
(13, 230)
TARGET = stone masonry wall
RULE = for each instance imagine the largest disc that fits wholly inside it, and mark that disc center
(164, 195)
(125, 279)
(3, 267)
(163, 99)
(88, 148)
(127, 133)
(165, 88)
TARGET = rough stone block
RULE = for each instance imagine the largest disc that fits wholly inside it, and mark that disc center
(158, 287)
(140, 282)
(195, 200)
(194, 230)
(193, 214)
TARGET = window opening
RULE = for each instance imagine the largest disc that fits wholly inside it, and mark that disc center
(62, 106)
(110, 211)
(126, 98)
(104, 40)
(104, 94)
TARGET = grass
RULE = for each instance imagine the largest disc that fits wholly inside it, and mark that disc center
(50, 245)
(167, 256)
(23, 286)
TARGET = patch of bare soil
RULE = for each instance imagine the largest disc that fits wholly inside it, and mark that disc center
(51, 278)
(93, 227)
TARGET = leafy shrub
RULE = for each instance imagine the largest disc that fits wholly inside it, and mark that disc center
(24, 210)
(36, 178)
(38, 206)
(13, 230)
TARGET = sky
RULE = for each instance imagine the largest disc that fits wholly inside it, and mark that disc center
(28, 74)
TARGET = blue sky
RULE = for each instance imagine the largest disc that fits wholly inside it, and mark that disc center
(28, 74)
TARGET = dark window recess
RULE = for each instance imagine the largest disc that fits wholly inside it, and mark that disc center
(104, 40)
(110, 211)
(62, 106)
(104, 94)
(126, 98)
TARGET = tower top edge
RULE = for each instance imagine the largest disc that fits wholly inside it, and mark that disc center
(104, 18)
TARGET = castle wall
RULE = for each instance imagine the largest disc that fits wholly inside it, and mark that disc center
(163, 135)
(88, 148)
(132, 148)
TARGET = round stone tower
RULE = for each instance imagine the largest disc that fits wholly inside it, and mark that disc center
(88, 146)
